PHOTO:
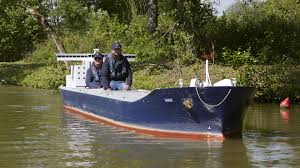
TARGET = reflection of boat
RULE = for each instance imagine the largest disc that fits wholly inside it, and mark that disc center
(233, 148)
(185, 112)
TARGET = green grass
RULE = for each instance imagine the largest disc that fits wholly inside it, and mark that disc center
(157, 76)
(14, 73)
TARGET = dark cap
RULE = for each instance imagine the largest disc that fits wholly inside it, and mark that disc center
(98, 55)
(116, 45)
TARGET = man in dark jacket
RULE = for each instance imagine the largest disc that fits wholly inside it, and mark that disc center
(94, 73)
(117, 73)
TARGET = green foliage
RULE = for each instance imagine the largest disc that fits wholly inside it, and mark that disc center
(193, 18)
(32, 75)
(255, 34)
(120, 9)
(14, 73)
(74, 14)
(273, 83)
(45, 54)
(236, 58)
(167, 44)
(142, 80)
(19, 32)
(46, 77)
(151, 76)
(104, 30)
(268, 29)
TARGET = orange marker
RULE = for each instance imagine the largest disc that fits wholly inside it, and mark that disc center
(286, 103)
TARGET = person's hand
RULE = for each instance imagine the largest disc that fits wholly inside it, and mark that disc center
(108, 88)
(127, 87)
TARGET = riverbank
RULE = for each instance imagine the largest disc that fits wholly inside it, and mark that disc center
(273, 83)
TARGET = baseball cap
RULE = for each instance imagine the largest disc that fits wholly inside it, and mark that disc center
(98, 55)
(116, 45)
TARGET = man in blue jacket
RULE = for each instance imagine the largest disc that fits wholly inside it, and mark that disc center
(117, 73)
(94, 73)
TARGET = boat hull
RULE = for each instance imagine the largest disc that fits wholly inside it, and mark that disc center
(194, 113)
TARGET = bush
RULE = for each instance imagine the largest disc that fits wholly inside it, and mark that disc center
(268, 31)
(47, 77)
(155, 76)
(236, 58)
(45, 53)
(273, 83)
(13, 73)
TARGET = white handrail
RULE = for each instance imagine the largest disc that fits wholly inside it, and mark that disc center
(86, 56)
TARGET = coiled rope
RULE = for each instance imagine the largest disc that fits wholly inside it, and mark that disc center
(210, 105)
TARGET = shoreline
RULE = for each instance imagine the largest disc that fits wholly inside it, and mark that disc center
(42, 76)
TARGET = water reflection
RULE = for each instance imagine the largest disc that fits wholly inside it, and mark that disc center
(105, 146)
(272, 137)
(79, 144)
(265, 117)
(285, 115)
(273, 150)
(234, 154)
(29, 128)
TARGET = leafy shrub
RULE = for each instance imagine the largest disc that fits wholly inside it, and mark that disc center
(236, 58)
(47, 77)
(18, 31)
(45, 53)
(268, 31)
(273, 83)
(167, 44)
(13, 73)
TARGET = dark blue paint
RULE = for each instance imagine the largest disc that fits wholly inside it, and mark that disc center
(152, 111)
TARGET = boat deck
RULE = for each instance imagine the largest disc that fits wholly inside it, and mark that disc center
(129, 96)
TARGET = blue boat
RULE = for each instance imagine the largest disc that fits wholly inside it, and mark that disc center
(202, 112)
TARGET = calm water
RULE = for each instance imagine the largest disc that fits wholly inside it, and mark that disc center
(35, 132)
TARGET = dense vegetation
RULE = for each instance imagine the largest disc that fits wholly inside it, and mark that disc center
(256, 42)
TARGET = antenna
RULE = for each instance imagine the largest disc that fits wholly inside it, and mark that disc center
(207, 78)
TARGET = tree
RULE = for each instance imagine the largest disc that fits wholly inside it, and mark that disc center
(193, 16)
(47, 28)
(19, 32)
(269, 30)
(153, 16)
